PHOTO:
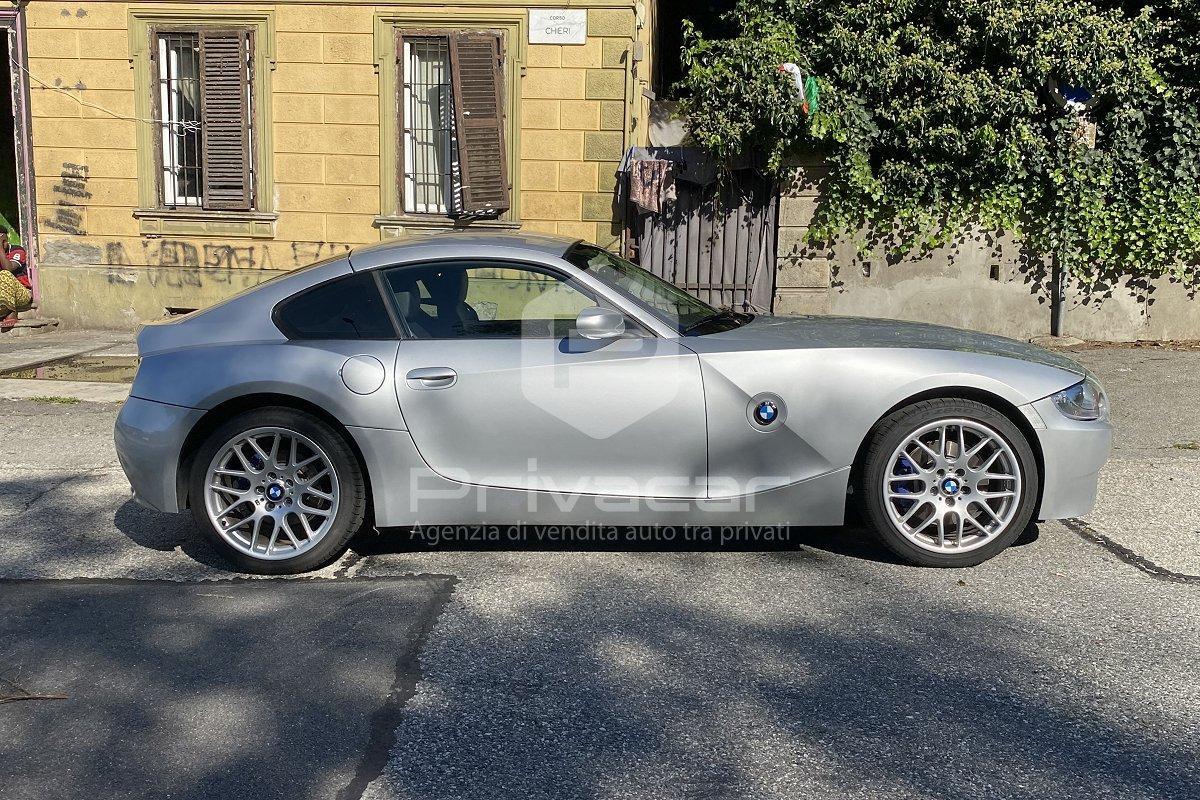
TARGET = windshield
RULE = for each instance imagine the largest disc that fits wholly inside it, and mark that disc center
(669, 303)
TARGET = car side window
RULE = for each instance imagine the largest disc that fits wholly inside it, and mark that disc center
(350, 307)
(465, 300)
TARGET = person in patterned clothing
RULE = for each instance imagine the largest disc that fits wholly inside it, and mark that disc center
(15, 289)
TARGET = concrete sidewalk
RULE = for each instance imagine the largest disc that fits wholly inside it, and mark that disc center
(29, 351)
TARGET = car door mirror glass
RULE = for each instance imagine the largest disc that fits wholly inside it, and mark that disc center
(600, 323)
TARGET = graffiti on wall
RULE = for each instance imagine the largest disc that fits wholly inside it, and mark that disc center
(181, 254)
(180, 264)
(215, 257)
(71, 193)
(168, 262)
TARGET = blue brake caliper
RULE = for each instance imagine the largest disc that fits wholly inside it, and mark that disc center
(906, 467)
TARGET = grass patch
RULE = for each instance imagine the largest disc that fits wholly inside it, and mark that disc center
(1186, 445)
(54, 399)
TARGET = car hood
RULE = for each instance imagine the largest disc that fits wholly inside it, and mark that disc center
(769, 332)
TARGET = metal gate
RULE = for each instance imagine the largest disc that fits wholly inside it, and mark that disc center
(715, 239)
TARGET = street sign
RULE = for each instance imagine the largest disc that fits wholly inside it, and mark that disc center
(557, 26)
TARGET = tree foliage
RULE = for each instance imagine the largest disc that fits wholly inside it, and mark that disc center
(936, 116)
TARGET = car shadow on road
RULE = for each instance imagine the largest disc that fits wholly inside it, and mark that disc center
(848, 541)
(851, 540)
(166, 532)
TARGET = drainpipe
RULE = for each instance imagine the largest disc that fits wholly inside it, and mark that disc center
(1058, 299)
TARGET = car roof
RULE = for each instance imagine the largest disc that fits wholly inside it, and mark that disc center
(455, 241)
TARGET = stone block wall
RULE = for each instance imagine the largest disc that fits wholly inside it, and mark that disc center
(101, 266)
(981, 282)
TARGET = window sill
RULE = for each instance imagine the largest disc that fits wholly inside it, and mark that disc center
(394, 227)
(198, 222)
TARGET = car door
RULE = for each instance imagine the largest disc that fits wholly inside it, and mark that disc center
(497, 391)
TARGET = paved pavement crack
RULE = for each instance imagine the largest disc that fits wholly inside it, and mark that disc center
(87, 473)
(386, 719)
(1088, 533)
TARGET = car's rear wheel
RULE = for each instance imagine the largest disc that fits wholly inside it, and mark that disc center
(278, 491)
(949, 482)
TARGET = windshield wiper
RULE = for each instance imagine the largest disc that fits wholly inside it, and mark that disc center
(724, 313)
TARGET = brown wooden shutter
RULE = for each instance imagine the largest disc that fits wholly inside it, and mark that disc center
(476, 75)
(225, 119)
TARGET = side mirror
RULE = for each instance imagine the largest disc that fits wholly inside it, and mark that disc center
(600, 323)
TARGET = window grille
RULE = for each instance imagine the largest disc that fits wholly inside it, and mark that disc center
(432, 176)
(179, 105)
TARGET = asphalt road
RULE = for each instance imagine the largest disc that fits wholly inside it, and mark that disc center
(1150, 492)
(161, 689)
(807, 667)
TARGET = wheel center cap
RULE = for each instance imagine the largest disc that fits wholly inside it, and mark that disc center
(274, 492)
(951, 486)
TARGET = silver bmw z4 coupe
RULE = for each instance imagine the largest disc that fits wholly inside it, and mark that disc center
(503, 380)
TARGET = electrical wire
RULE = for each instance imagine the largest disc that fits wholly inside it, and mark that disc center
(189, 127)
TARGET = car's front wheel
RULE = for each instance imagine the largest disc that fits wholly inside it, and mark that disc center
(949, 482)
(278, 491)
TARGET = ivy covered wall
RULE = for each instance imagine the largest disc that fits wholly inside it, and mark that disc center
(940, 119)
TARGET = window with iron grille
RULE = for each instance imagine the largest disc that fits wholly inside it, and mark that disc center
(432, 174)
(204, 103)
(453, 158)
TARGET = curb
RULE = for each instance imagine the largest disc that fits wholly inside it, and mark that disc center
(83, 391)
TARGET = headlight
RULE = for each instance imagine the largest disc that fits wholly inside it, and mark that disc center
(1083, 401)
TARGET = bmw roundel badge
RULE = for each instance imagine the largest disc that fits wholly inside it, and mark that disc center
(765, 412)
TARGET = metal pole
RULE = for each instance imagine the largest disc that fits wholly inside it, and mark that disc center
(1058, 299)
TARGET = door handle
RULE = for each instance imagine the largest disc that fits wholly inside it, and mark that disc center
(431, 378)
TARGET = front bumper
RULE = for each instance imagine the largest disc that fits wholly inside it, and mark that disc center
(149, 438)
(1073, 453)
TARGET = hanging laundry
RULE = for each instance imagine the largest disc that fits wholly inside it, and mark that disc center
(649, 183)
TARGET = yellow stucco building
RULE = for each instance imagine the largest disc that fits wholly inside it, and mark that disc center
(180, 152)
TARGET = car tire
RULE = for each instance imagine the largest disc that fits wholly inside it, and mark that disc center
(952, 489)
(323, 466)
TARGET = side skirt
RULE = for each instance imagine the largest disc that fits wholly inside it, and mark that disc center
(407, 493)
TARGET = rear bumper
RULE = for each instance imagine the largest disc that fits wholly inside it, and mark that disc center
(149, 438)
(1073, 452)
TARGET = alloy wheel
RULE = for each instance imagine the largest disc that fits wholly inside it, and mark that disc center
(271, 493)
(952, 486)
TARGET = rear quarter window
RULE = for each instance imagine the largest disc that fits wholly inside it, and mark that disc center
(349, 307)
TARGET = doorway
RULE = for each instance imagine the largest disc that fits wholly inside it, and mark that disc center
(16, 174)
